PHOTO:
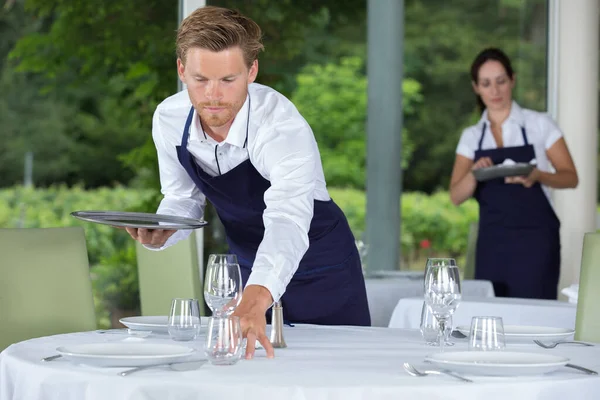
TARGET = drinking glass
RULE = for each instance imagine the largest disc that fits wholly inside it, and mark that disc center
(430, 327)
(184, 319)
(224, 342)
(442, 295)
(486, 334)
(222, 284)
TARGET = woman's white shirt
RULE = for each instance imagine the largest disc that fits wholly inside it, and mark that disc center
(541, 130)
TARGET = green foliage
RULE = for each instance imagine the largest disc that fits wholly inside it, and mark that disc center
(333, 100)
(441, 40)
(116, 278)
(111, 251)
(432, 218)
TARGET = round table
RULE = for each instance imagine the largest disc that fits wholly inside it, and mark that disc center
(320, 363)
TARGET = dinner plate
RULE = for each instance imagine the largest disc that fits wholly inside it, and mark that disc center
(523, 333)
(124, 354)
(154, 323)
(497, 363)
(139, 220)
(502, 171)
(412, 275)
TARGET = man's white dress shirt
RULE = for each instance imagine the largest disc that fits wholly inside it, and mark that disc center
(282, 148)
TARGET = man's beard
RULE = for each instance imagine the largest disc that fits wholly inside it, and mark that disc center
(217, 120)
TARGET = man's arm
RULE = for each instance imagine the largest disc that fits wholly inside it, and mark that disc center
(181, 195)
(287, 155)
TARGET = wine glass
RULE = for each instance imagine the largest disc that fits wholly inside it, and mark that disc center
(442, 294)
(222, 284)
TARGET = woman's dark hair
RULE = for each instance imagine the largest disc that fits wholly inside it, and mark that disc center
(485, 56)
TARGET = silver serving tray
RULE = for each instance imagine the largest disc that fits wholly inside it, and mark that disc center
(139, 220)
(502, 171)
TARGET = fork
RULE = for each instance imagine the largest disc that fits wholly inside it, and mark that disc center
(553, 345)
(415, 372)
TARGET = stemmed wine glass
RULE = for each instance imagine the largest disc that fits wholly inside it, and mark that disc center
(222, 284)
(442, 294)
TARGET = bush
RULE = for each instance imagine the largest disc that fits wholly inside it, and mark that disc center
(431, 220)
(430, 223)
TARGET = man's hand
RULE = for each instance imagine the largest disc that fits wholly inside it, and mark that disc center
(255, 302)
(150, 237)
(527, 181)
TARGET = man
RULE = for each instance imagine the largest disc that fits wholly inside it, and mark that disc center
(246, 149)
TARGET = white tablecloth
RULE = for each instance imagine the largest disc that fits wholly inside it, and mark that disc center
(514, 311)
(320, 363)
(383, 294)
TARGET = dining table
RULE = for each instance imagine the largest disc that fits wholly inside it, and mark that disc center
(319, 362)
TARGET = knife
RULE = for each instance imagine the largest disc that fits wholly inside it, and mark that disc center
(176, 366)
(583, 369)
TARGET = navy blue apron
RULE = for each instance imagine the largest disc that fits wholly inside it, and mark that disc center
(518, 246)
(328, 288)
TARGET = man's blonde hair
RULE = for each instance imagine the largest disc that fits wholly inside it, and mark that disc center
(217, 29)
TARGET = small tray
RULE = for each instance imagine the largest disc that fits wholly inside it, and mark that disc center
(139, 220)
(502, 171)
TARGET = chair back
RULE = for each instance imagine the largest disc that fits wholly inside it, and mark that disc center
(168, 274)
(587, 326)
(45, 285)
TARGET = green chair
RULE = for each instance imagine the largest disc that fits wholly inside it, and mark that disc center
(469, 269)
(45, 285)
(167, 274)
(587, 326)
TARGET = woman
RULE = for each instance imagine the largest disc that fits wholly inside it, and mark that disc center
(518, 246)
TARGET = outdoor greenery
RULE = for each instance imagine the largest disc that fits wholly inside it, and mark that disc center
(81, 79)
(430, 225)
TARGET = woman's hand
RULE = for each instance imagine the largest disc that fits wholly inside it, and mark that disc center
(483, 162)
(527, 181)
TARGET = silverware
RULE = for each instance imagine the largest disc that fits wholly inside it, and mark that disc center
(51, 358)
(131, 332)
(583, 369)
(553, 345)
(415, 372)
(176, 366)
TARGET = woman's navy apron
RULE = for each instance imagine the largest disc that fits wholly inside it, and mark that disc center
(328, 288)
(518, 246)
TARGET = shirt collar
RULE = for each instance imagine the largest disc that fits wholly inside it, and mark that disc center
(237, 131)
(516, 115)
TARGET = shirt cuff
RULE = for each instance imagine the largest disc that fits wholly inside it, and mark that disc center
(174, 238)
(272, 283)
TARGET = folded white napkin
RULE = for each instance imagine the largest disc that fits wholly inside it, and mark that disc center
(572, 293)
(508, 161)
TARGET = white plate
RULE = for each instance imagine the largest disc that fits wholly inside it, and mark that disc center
(123, 354)
(154, 323)
(497, 363)
(522, 333)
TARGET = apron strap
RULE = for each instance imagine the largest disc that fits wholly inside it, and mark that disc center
(247, 121)
(524, 135)
(186, 130)
(482, 134)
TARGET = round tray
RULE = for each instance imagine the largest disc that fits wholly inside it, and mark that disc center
(139, 220)
(502, 171)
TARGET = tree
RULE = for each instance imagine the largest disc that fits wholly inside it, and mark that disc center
(333, 100)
